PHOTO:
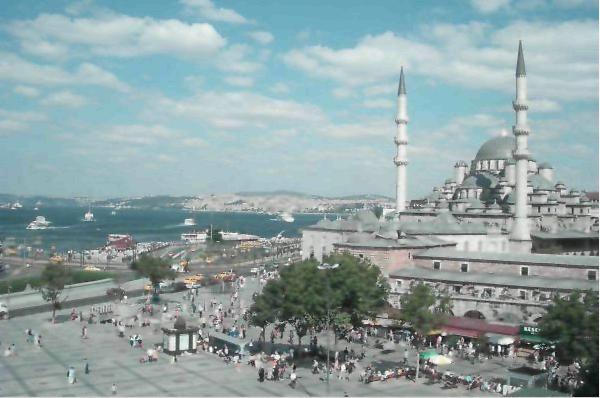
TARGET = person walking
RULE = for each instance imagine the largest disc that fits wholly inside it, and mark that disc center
(86, 368)
(113, 389)
(261, 374)
(405, 356)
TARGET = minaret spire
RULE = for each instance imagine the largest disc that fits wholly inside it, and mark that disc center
(401, 85)
(520, 234)
(401, 141)
(520, 61)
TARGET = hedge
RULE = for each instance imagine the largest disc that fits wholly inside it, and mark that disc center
(19, 284)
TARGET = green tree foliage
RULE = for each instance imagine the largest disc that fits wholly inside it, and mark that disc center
(423, 310)
(153, 268)
(354, 291)
(572, 323)
(216, 236)
(53, 281)
(378, 211)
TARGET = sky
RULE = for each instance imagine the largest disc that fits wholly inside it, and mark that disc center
(190, 97)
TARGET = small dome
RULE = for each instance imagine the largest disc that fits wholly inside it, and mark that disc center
(496, 148)
(539, 183)
(544, 165)
(179, 323)
(560, 183)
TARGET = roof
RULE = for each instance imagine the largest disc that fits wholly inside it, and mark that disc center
(481, 326)
(592, 196)
(443, 224)
(539, 182)
(496, 148)
(401, 85)
(519, 258)
(566, 234)
(406, 243)
(491, 279)
(520, 61)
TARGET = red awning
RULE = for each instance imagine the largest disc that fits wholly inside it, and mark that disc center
(480, 326)
(460, 332)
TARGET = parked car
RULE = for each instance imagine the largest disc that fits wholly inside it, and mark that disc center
(92, 268)
(228, 276)
(194, 281)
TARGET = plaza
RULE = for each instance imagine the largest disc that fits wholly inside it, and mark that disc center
(41, 371)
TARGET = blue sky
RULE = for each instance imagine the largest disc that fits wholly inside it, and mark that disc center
(185, 97)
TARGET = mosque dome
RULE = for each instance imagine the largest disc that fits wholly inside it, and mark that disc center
(496, 148)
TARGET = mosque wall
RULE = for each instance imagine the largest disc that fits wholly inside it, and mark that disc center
(550, 271)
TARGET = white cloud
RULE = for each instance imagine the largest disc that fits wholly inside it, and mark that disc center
(239, 81)
(540, 105)
(138, 134)
(235, 110)
(343, 92)
(166, 158)
(279, 88)
(194, 142)
(65, 99)
(262, 37)
(471, 55)
(208, 10)
(489, 6)
(16, 121)
(16, 69)
(379, 103)
(26, 91)
(118, 35)
(234, 59)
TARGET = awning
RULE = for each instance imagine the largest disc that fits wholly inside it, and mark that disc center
(499, 339)
(453, 331)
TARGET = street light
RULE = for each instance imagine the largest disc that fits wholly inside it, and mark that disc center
(328, 267)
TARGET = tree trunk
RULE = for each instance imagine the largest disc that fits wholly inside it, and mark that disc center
(54, 312)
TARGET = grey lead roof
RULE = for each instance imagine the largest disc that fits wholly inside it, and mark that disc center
(520, 61)
(491, 279)
(401, 85)
(519, 258)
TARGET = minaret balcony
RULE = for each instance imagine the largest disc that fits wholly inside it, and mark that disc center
(519, 130)
(519, 106)
(400, 141)
(400, 120)
(400, 162)
(519, 154)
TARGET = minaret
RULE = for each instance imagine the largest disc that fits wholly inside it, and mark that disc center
(401, 141)
(520, 228)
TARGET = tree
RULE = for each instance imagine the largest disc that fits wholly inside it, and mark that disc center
(155, 269)
(53, 281)
(215, 235)
(354, 291)
(572, 324)
(423, 310)
(378, 211)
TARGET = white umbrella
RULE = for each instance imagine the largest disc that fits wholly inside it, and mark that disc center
(440, 360)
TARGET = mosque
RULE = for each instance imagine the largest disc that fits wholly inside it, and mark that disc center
(503, 200)
(501, 237)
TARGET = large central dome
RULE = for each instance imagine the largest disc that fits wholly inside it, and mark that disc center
(496, 148)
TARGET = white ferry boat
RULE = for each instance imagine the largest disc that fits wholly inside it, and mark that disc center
(115, 237)
(189, 222)
(16, 206)
(88, 216)
(235, 236)
(40, 222)
(286, 217)
(194, 237)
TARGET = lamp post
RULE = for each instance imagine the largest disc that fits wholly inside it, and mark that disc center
(328, 267)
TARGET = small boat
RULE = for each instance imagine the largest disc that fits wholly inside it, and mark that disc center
(113, 213)
(88, 216)
(286, 217)
(35, 208)
(194, 237)
(16, 206)
(189, 222)
(40, 222)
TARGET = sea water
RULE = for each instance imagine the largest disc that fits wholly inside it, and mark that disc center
(67, 231)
